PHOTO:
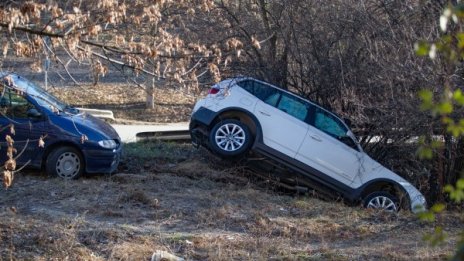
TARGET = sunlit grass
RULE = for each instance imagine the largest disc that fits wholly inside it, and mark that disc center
(151, 150)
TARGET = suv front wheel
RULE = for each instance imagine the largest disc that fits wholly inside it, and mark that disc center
(381, 201)
(230, 138)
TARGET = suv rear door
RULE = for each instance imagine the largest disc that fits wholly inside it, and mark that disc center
(282, 119)
(281, 116)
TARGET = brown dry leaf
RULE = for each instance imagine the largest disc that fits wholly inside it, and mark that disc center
(41, 142)
(9, 80)
(10, 151)
(9, 140)
(7, 178)
(10, 164)
(54, 109)
(6, 46)
(84, 138)
(255, 43)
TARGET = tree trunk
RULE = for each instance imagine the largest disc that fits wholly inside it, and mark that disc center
(150, 98)
(458, 168)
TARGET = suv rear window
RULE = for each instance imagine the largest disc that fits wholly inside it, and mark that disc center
(262, 91)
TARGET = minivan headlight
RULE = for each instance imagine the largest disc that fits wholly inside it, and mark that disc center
(108, 144)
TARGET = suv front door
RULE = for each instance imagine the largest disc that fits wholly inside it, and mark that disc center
(329, 149)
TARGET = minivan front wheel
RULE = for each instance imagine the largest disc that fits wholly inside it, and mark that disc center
(381, 201)
(65, 162)
(230, 138)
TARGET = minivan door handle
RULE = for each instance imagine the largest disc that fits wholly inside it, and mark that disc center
(316, 138)
(264, 113)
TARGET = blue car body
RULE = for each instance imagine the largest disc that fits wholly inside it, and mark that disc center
(56, 124)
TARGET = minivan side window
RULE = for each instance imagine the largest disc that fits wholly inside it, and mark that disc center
(14, 105)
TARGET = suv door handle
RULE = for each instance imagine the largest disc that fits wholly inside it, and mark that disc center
(264, 113)
(316, 138)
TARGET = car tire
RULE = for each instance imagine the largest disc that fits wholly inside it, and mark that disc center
(381, 200)
(65, 162)
(230, 138)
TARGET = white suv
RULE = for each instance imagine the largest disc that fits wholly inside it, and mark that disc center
(240, 114)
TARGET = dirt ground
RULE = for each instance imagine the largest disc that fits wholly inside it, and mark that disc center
(183, 201)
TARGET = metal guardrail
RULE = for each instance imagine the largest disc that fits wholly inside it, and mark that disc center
(169, 131)
(173, 135)
(104, 114)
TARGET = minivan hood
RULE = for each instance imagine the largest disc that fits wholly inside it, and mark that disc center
(85, 124)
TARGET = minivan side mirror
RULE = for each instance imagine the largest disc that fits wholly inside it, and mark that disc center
(33, 113)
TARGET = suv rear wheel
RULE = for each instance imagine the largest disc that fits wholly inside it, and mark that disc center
(230, 138)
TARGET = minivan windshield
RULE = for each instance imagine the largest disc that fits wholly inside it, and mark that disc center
(43, 98)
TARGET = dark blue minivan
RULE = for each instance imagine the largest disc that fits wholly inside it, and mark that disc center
(50, 135)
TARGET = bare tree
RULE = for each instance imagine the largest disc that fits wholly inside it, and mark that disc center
(354, 57)
(138, 38)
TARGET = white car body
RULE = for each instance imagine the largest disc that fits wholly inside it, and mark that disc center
(291, 132)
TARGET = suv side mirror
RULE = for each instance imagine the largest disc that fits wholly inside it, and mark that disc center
(347, 121)
(33, 113)
(349, 142)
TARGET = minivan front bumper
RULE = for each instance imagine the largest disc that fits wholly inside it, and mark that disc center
(102, 160)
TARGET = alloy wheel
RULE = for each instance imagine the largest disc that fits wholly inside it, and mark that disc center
(382, 203)
(230, 137)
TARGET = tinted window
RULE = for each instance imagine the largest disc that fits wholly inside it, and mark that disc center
(333, 126)
(262, 91)
(13, 105)
(329, 124)
(247, 85)
(293, 106)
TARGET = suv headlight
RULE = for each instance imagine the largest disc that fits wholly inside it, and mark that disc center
(108, 144)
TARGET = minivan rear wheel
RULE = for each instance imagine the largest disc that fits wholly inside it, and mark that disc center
(65, 162)
(381, 201)
(230, 138)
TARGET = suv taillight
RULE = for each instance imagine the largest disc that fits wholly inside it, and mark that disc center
(213, 91)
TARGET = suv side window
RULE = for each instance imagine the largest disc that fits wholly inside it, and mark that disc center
(333, 126)
(293, 106)
(325, 122)
(14, 105)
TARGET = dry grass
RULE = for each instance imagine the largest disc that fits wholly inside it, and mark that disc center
(197, 210)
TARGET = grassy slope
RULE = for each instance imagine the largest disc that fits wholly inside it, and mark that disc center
(174, 198)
